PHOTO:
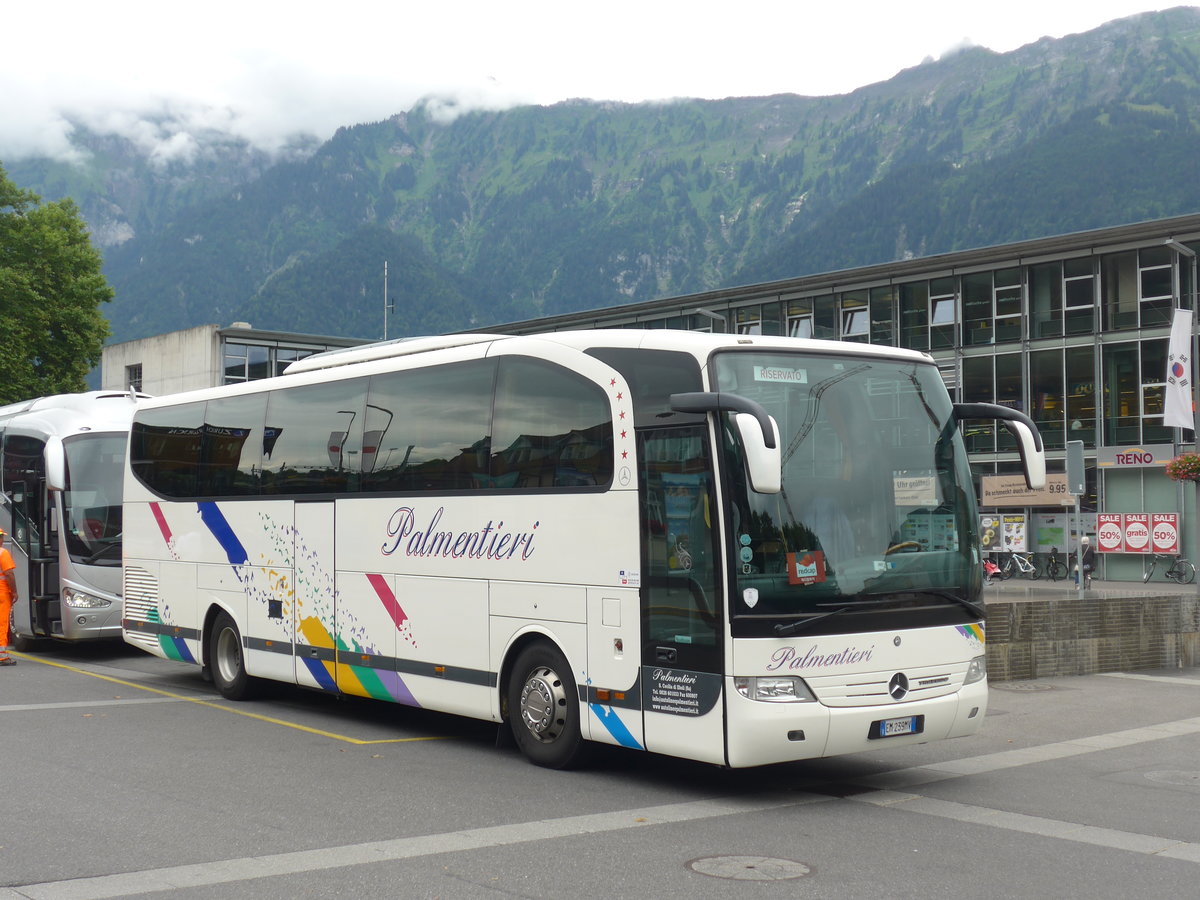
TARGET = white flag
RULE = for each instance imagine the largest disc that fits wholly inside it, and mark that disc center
(1178, 408)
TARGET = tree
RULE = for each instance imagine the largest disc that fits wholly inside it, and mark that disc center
(51, 288)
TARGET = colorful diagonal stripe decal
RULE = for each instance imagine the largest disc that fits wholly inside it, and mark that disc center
(971, 631)
(612, 722)
(223, 532)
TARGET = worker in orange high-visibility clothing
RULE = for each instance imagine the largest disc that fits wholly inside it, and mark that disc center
(8, 596)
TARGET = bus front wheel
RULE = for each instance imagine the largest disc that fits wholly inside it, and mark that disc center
(543, 708)
(226, 659)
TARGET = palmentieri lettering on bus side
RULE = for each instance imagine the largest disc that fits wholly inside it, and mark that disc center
(489, 542)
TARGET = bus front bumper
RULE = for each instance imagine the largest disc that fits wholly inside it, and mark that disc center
(762, 733)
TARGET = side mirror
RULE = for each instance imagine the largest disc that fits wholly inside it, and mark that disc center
(764, 463)
(759, 434)
(1029, 439)
(56, 465)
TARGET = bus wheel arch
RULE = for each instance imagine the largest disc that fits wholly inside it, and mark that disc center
(225, 657)
(540, 700)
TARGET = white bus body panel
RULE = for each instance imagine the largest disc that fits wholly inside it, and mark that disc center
(850, 676)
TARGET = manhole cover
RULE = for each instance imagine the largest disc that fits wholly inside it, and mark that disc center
(749, 868)
(1020, 687)
(1187, 779)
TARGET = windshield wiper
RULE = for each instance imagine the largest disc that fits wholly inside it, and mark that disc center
(868, 601)
(792, 627)
(102, 552)
(976, 609)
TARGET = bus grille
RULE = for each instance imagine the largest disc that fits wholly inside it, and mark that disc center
(141, 604)
(871, 689)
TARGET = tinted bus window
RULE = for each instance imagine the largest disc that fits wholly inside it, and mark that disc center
(653, 376)
(428, 429)
(313, 437)
(164, 448)
(231, 456)
(551, 428)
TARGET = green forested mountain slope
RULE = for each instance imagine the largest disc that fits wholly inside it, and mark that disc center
(496, 216)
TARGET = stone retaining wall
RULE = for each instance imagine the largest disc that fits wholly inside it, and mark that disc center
(1042, 638)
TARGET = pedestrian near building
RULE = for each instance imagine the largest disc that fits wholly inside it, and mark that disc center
(1089, 561)
(8, 596)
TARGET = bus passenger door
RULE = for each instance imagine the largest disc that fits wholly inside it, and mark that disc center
(314, 599)
(682, 646)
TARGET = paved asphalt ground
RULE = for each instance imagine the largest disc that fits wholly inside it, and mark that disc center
(127, 776)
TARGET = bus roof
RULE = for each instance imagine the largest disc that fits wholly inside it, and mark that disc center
(63, 414)
(700, 343)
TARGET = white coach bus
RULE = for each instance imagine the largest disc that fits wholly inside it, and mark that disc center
(62, 467)
(742, 550)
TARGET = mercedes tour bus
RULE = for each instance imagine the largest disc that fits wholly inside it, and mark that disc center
(741, 550)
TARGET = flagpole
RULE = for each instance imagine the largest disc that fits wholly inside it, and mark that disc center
(1184, 250)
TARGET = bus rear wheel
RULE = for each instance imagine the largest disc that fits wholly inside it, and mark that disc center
(226, 660)
(543, 708)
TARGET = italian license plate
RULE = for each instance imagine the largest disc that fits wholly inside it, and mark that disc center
(893, 727)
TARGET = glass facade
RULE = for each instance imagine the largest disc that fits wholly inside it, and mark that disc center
(1073, 331)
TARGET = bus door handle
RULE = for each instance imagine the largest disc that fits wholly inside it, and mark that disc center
(665, 655)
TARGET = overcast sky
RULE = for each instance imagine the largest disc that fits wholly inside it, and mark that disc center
(265, 69)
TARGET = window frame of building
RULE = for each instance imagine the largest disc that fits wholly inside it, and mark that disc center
(1008, 292)
(1079, 374)
(943, 312)
(1119, 291)
(914, 315)
(748, 320)
(1079, 295)
(1121, 373)
(1047, 396)
(799, 317)
(1156, 285)
(1045, 299)
(1153, 359)
(978, 385)
(883, 315)
(133, 377)
(978, 309)
(855, 316)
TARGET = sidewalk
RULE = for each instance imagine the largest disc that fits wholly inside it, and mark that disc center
(1016, 589)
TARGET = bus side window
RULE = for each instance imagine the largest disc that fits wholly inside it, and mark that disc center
(428, 428)
(231, 456)
(165, 449)
(312, 438)
(552, 429)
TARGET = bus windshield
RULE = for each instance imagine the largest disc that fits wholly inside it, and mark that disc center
(92, 499)
(877, 510)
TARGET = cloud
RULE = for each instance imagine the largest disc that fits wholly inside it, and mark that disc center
(170, 76)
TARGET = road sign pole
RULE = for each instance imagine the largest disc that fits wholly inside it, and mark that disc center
(1076, 483)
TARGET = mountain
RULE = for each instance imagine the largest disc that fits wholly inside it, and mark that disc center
(489, 217)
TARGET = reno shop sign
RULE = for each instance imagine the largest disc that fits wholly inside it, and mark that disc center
(1139, 457)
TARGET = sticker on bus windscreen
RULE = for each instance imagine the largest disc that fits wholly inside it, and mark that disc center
(806, 567)
(781, 375)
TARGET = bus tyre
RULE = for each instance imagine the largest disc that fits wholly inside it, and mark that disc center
(226, 660)
(543, 708)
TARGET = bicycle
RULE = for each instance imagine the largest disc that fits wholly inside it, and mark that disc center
(1055, 567)
(1180, 571)
(1016, 564)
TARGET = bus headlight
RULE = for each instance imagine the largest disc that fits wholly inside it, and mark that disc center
(774, 689)
(80, 600)
(977, 670)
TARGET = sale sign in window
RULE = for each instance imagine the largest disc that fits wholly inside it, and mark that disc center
(1137, 532)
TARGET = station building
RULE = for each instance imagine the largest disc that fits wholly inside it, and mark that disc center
(206, 356)
(1073, 330)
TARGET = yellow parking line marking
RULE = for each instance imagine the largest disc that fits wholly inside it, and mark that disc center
(238, 712)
